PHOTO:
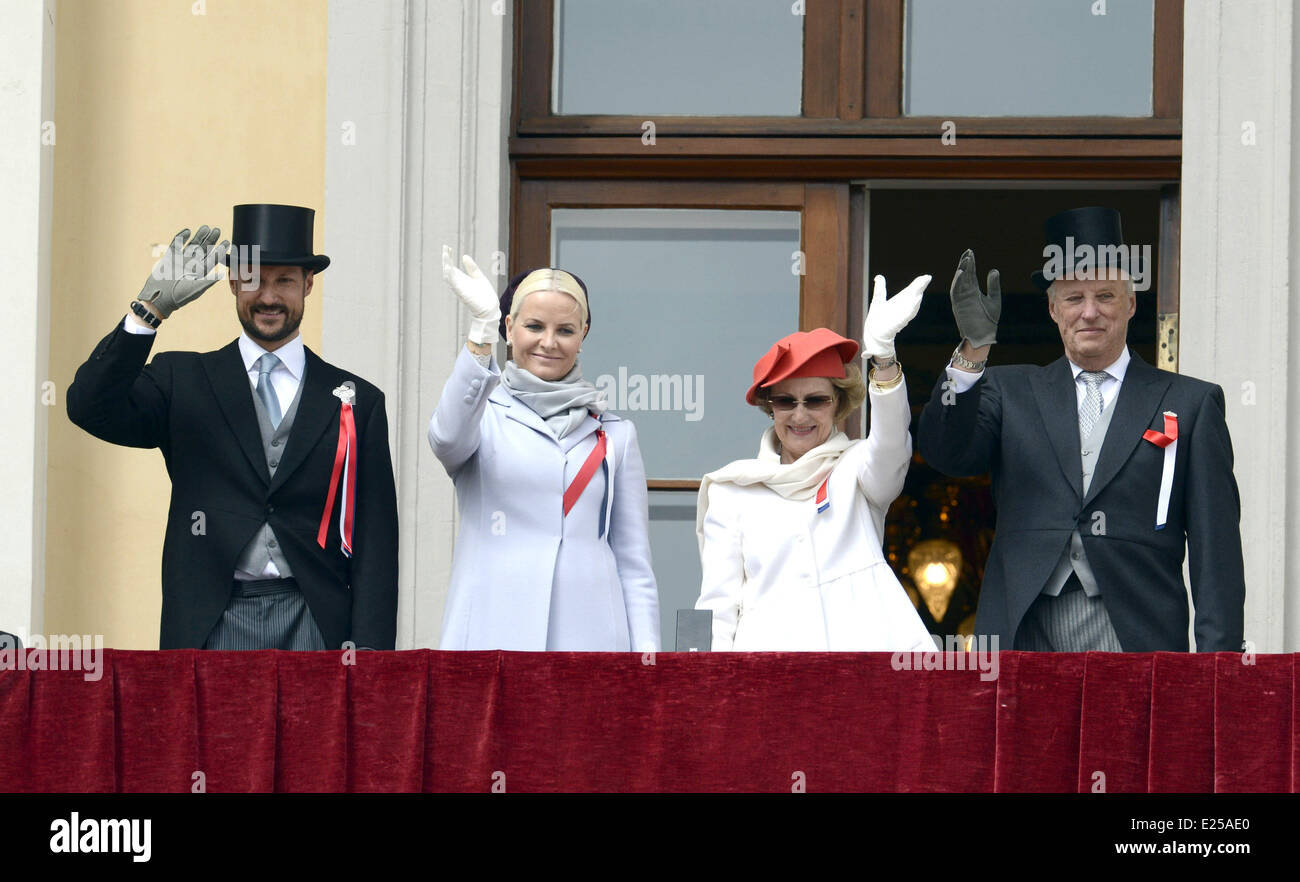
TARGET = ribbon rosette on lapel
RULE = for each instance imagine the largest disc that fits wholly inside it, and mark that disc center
(345, 463)
(1168, 439)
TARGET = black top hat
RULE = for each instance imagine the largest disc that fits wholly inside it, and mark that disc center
(282, 235)
(1097, 228)
(508, 296)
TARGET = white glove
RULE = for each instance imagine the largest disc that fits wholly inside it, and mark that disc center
(185, 270)
(886, 317)
(478, 295)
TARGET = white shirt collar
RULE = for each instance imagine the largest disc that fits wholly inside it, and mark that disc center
(1116, 369)
(291, 354)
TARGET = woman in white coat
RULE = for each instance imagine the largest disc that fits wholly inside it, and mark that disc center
(553, 549)
(790, 542)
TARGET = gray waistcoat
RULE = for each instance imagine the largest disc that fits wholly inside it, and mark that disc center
(1073, 558)
(263, 546)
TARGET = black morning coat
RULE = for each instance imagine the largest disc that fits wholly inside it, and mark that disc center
(197, 407)
(1020, 423)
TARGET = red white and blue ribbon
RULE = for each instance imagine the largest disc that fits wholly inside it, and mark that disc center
(345, 467)
(594, 460)
(602, 457)
(823, 499)
(1168, 439)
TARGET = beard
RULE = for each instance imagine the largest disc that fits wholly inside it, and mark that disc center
(288, 327)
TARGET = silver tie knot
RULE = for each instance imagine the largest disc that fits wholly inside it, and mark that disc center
(1093, 378)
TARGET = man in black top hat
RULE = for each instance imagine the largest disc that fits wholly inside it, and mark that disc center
(1104, 468)
(282, 529)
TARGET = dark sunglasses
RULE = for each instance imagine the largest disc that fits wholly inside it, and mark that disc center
(785, 403)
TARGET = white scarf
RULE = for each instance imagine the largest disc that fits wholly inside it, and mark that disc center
(797, 480)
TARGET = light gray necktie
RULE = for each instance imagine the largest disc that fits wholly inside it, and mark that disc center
(265, 391)
(1091, 410)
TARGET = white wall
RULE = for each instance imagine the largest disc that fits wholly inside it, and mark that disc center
(26, 180)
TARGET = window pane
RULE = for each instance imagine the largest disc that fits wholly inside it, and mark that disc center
(1028, 58)
(678, 57)
(683, 302)
(675, 554)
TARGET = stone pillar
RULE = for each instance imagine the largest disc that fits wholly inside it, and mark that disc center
(417, 108)
(27, 142)
(1236, 325)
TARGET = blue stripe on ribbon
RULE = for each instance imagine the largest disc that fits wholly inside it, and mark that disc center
(604, 497)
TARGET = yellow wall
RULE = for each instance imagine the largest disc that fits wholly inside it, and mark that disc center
(165, 119)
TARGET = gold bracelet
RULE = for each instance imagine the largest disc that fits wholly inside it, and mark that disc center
(887, 384)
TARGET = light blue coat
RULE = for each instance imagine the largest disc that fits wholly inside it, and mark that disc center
(524, 576)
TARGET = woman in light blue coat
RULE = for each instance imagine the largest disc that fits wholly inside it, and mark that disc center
(553, 549)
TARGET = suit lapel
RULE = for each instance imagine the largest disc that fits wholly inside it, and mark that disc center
(519, 412)
(522, 413)
(1139, 396)
(234, 394)
(318, 409)
(1054, 392)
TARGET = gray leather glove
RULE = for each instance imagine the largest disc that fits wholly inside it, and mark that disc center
(977, 315)
(185, 270)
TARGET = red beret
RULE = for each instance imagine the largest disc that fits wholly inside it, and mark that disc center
(817, 353)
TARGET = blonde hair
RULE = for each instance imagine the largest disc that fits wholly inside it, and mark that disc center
(850, 391)
(548, 280)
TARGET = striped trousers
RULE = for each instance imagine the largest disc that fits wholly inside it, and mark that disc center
(1072, 622)
(266, 614)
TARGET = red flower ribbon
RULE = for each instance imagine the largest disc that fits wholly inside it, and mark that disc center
(1168, 436)
(583, 478)
(345, 461)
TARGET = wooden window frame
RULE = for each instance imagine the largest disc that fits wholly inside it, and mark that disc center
(827, 219)
(824, 226)
(852, 86)
(852, 130)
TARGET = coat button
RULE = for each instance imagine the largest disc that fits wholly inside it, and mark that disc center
(270, 509)
(469, 399)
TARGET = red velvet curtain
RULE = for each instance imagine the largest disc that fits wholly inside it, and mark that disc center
(442, 721)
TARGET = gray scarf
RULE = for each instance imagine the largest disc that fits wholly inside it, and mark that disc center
(562, 403)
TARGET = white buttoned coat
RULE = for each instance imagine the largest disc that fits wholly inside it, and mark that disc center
(525, 576)
(780, 575)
